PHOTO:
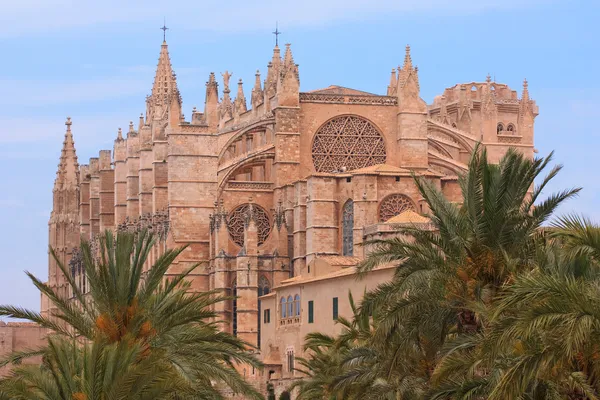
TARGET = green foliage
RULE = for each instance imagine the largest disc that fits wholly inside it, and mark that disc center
(130, 316)
(488, 305)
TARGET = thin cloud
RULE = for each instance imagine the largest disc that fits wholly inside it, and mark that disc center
(31, 17)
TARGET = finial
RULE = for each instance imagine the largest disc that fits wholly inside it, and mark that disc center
(407, 59)
(525, 84)
(488, 78)
(276, 33)
(250, 199)
(68, 124)
(120, 133)
(130, 126)
(194, 110)
(164, 29)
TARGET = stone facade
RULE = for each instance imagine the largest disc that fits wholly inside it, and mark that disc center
(263, 190)
(20, 336)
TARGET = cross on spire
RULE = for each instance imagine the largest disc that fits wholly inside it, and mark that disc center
(276, 33)
(164, 29)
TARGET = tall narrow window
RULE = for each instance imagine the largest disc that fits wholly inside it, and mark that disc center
(348, 228)
(311, 311)
(234, 308)
(290, 360)
(283, 308)
(267, 316)
(263, 288)
(335, 308)
(290, 306)
(297, 305)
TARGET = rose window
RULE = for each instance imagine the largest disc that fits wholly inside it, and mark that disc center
(393, 205)
(349, 142)
(237, 220)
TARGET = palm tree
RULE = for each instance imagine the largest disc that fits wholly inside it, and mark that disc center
(127, 305)
(447, 278)
(96, 371)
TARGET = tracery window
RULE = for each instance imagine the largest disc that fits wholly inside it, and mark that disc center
(499, 128)
(348, 142)
(393, 205)
(348, 228)
(510, 128)
(237, 219)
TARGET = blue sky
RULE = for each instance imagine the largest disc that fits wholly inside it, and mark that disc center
(95, 62)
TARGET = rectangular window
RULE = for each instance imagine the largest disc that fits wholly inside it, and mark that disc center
(267, 316)
(335, 308)
(311, 310)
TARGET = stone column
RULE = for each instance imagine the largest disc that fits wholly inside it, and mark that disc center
(106, 192)
(133, 184)
(94, 197)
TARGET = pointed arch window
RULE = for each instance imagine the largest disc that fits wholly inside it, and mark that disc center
(510, 129)
(290, 306)
(234, 308)
(499, 128)
(263, 288)
(348, 228)
(283, 307)
(297, 305)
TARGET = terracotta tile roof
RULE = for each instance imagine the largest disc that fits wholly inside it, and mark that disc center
(408, 217)
(342, 261)
(335, 89)
(381, 168)
(342, 272)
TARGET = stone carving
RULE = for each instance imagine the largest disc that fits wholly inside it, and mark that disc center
(157, 223)
(349, 142)
(393, 205)
(226, 76)
(237, 220)
(247, 185)
(348, 99)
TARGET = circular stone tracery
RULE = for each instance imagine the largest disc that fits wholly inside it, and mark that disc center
(236, 221)
(393, 205)
(348, 141)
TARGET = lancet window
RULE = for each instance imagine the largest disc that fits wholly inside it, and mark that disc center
(348, 228)
(346, 143)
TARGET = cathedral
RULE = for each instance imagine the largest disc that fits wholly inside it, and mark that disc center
(275, 192)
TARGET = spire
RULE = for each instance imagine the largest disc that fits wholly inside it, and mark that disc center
(289, 67)
(165, 83)
(67, 175)
(240, 100)
(488, 78)
(120, 133)
(391, 90)
(211, 101)
(525, 107)
(141, 124)
(407, 59)
(288, 59)
(257, 92)
(130, 126)
(525, 95)
(407, 70)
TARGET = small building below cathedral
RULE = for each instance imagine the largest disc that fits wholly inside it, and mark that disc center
(275, 192)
